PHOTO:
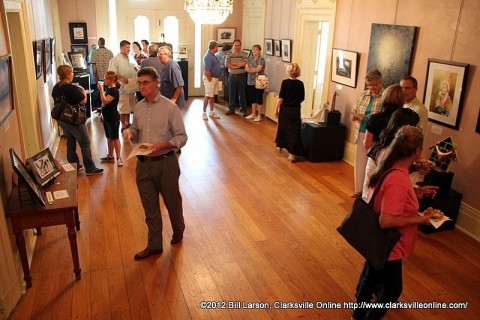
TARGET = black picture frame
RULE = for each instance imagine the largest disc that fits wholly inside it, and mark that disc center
(47, 58)
(345, 67)
(78, 32)
(24, 177)
(52, 50)
(80, 48)
(43, 166)
(38, 57)
(286, 48)
(445, 91)
(269, 47)
(6, 88)
(276, 48)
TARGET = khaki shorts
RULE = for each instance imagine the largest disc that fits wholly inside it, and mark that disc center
(211, 88)
(126, 102)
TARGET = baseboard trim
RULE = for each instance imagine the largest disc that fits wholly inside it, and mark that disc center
(469, 221)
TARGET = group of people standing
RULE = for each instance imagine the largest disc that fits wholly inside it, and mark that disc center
(389, 125)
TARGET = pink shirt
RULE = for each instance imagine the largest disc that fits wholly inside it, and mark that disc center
(397, 197)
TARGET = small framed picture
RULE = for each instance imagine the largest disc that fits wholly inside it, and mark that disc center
(445, 91)
(276, 45)
(78, 32)
(344, 67)
(43, 167)
(182, 52)
(269, 47)
(38, 51)
(26, 179)
(247, 52)
(225, 35)
(6, 87)
(80, 48)
(286, 50)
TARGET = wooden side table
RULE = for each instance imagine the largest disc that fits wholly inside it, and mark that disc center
(32, 215)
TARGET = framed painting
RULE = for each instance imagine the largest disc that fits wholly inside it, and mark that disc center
(269, 47)
(80, 48)
(47, 59)
(390, 51)
(286, 50)
(52, 50)
(38, 57)
(225, 35)
(6, 88)
(345, 67)
(276, 48)
(78, 32)
(26, 179)
(43, 167)
(247, 52)
(445, 91)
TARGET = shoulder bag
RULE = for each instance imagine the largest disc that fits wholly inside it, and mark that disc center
(361, 228)
(64, 111)
(261, 82)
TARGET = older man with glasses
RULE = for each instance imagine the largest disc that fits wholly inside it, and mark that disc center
(171, 80)
(409, 87)
(159, 130)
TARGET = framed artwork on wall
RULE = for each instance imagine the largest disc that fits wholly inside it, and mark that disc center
(182, 52)
(286, 48)
(398, 42)
(247, 52)
(269, 47)
(78, 32)
(47, 59)
(52, 50)
(6, 87)
(225, 35)
(38, 51)
(345, 67)
(276, 48)
(445, 91)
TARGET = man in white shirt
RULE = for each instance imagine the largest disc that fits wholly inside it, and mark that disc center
(409, 87)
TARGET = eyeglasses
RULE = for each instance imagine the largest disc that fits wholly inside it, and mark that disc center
(407, 88)
(144, 83)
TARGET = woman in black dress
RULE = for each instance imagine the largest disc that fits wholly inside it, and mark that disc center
(292, 94)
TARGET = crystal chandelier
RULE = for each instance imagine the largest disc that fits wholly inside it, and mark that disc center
(209, 11)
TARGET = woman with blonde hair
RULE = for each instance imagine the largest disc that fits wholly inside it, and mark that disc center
(74, 95)
(110, 115)
(292, 94)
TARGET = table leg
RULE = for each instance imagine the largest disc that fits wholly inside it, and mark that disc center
(77, 219)
(72, 237)
(20, 239)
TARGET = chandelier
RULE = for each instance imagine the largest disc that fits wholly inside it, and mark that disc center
(209, 11)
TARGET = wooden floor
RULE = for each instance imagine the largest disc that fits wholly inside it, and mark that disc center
(259, 229)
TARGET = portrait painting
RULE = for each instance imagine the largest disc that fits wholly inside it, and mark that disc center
(444, 91)
(390, 51)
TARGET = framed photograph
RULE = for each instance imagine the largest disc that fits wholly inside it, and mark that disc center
(444, 91)
(43, 167)
(182, 52)
(248, 52)
(78, 32)
(345, 67)
(80, 48)
(47, 59)
(286, 48)
(38, 57)
(52, 50)
(25, 178)
(78, 60)
(225, 35)
(269, 47)
(6, 87)
(276, 48)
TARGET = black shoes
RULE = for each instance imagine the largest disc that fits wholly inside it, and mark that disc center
(176, 240)
(145, 253)
(229, 112)
(94, 172)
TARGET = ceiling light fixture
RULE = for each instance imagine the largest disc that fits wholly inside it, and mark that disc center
(209, 11)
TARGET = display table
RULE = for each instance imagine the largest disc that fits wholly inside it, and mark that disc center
(323, 143)
(27, 215)
(450, 205)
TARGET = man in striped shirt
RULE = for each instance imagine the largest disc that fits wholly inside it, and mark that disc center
(237, 80)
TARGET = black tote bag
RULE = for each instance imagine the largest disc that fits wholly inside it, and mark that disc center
(361, 228)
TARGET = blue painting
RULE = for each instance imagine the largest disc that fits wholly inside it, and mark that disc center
(390, 51)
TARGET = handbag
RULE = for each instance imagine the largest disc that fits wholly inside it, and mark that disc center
(361, 228)
(261, 82)
(64, 111)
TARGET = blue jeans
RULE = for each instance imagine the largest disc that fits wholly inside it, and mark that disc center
(79, 134)
(237, 86)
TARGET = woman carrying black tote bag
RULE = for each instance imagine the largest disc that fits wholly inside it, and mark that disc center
(398, 207)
